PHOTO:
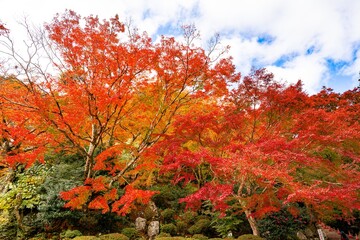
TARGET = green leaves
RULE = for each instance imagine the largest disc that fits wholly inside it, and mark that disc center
(25, 191)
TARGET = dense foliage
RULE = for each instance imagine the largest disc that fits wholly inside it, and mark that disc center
(122, 127)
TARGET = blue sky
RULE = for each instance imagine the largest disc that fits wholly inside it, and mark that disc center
(317, 41)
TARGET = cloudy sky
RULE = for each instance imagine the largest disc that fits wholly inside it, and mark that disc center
(317, 41)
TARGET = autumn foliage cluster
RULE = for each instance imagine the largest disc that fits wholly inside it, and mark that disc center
(137, 110)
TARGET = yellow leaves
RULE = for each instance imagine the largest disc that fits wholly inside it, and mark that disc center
(150, 179)
(191, 145)
(143, 174)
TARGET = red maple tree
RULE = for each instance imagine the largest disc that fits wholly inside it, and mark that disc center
(265, 146)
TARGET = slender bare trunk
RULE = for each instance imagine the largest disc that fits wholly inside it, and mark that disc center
(252, 223)
(244, 186)
(17, 211)
(90, 153)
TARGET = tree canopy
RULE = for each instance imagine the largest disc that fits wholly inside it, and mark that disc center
(135, 110)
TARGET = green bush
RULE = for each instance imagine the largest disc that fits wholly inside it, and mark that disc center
(131, 233)
(282, 225)
(37, 238)
(44, 236)
(28, 184)
(168, 214)
(64, 172)
(229, 223)
(22, 191)
(113, 236)
(200, 226)
(200, 237)
(217, 238)
(70, 234)
(174, 238)
(7, 225)
(181, 227)
(169, 228)
(169, 195)
(162, 235)
(188, 217)
(86, 238)
(249, 237)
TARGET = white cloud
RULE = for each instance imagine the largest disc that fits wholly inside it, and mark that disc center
(326, 29)
(353, 70)
(311, 69)
(308, 32)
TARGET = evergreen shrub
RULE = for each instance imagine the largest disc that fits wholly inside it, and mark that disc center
(169, 228)
(200, 226)
(131, 233)
(168, 215)
(70, 234)
(86, 238)
(113, 236)
(249, 237)
(200, 237)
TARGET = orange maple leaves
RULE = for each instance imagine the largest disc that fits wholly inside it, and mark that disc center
(120, 93)
(106, 198)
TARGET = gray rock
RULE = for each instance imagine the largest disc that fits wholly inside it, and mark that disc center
(140, 224)
(301, 236)
(153, 229)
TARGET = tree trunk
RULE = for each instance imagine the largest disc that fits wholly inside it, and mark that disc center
(17, 211)
(252, 223)
(90, 153)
